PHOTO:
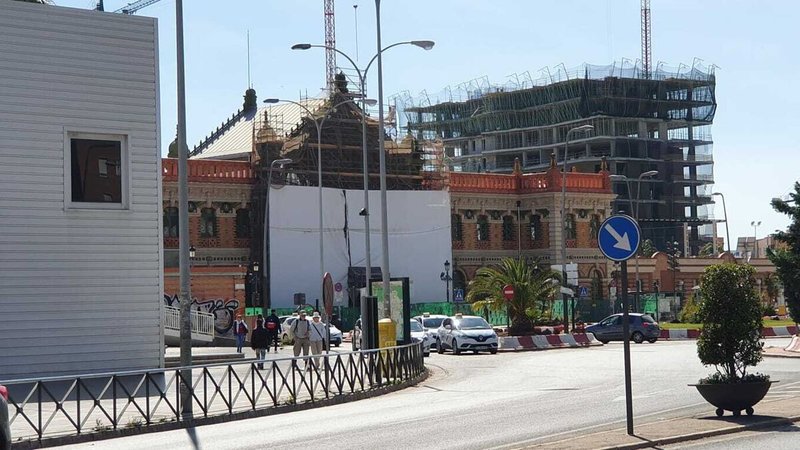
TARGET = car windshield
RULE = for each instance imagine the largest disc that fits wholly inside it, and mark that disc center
(473, 323)
(432, 323)
(416, 326)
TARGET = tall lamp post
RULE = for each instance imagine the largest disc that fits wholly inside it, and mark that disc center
(318, 123)
(266, 296)
(725, 212)
(755, 226)
(362, 75)
(255, 286)
(445, 276)
(564, 296)
(635, 212)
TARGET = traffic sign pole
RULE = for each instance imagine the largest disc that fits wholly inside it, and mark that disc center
(626, 345)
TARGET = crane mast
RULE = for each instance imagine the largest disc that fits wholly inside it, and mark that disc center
(647, 51)
(330, 43)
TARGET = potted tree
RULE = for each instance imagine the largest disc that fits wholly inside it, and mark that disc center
(730, 341)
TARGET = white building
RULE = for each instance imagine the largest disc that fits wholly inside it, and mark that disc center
(80, 192)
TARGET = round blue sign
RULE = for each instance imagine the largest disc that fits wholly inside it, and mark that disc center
(619, 237)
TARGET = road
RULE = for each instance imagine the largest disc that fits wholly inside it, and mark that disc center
(486, 401)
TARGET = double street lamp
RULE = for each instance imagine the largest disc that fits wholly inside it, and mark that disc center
(318, 123)
(266, 296)
(755, 226)
(362, 75)
(565, 297)
(635, 212)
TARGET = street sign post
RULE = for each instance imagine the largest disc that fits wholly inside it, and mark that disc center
(618, 239)
(508, 292)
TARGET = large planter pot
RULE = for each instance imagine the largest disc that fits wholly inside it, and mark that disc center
(734, 397)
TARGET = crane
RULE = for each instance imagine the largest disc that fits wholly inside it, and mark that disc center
(647, 51)
(330, 43)
(130, 8)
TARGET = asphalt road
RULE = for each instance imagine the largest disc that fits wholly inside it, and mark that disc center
(485, 401)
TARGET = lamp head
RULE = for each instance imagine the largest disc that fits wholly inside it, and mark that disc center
(584, 128)
(649, 173)
(447, 264)
(425, 45)
(192, 251)
(272, 100)
(370, 102)
(301, 46)
(282, 162)
(616, 177)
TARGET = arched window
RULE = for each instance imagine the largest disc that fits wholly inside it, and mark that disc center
(456, 230)
(208, 223)
(242, 223)
(569, 227)
(483, 228)
(508, 228)
(536, 227)
(171, 222)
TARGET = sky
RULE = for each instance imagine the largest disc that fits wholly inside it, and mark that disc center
(751, 44)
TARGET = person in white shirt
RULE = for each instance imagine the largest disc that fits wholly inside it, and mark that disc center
(317, 336)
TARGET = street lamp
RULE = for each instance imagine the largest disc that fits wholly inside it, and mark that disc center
(192, 251)
(755, 226)
(266, 296)
(318, 123)
(445, 276)
(362, 75)
(725, 212)
(635, 212)
(254, 292)
(565, 298)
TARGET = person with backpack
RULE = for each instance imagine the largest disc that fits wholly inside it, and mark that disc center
(301, 330)
(260, 342)
(273, 326)
(240, 331)
(317, 337)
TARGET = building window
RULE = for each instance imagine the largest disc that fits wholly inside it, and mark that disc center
(536, 227)
(208, 223)
(242, 223)
(171, 222)
(483, 228)
(95, 177)
(569, 227)
(508, 228)
(594, 226)
(456, 230)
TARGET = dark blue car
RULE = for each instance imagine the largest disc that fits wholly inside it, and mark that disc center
(642, 328)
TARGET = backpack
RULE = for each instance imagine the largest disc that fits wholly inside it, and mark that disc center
(271, 326)
(242, 328)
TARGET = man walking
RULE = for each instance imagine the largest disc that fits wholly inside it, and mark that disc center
(240, 331)
(273, 326)
(259, 342)
(301, 330)
(317, 337)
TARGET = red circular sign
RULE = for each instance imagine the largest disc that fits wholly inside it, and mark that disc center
(508, 291)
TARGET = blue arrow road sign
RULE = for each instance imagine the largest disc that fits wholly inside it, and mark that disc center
(619, 237)
(458, 295)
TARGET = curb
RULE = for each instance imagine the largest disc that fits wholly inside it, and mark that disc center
(547, 342)
(705, 434)
(171, 426)
(692, 333)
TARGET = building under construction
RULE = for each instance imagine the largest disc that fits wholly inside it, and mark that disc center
(643, 121)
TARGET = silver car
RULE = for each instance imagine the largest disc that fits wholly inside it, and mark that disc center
(461, 333)
(287, 338)
(642, 328)
(431, 324)
(418, 334)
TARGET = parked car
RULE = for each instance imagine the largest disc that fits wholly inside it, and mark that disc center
(287, 338)
(5, 429)
(431, 324)
(418, 334)
(460, 333)
(642, 328)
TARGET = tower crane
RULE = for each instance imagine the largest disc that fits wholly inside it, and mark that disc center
(130, 8)
(330, 43)
(647, 51)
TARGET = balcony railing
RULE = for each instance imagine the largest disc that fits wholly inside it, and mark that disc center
(210, 171)
(202, 323)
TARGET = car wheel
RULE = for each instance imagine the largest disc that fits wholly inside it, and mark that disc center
(652, 341)
(456, 350)
(425, 355)
(493, 351)
(336, 345)
(637, 337)
(439, 348)
(603, 341)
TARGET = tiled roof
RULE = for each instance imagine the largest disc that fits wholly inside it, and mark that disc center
(234, 139)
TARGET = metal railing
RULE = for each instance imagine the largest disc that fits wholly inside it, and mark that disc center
(68, 406)
(202, 322)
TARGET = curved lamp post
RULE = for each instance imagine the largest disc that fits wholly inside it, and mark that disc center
(318, 123)
(725, 213)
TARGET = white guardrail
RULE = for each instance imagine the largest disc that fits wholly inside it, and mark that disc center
(202, 322)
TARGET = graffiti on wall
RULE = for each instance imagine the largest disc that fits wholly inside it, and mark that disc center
(224, 310)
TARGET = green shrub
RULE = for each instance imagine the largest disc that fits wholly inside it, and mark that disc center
(731, 317)
(690, 313)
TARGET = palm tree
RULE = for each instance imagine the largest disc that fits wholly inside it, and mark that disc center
(533, 285)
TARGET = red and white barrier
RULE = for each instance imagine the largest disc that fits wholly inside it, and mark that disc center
(677, 334)
(549, 341)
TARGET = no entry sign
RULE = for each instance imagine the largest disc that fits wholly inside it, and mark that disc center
(508, 291)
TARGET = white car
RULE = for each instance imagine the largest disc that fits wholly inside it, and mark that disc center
(431, 324)
(461, 333)
(287, 337)
(418, 334)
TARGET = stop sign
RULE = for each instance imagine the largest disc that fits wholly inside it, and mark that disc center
(508, 291)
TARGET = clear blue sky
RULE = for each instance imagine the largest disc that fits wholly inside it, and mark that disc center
(752, 43)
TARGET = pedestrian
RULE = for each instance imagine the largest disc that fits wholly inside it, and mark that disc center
(317, 337)
(259, 341)
(273, 326)
(240, 331)
(301, 330)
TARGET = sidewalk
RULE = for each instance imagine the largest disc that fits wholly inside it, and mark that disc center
(769, 413)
